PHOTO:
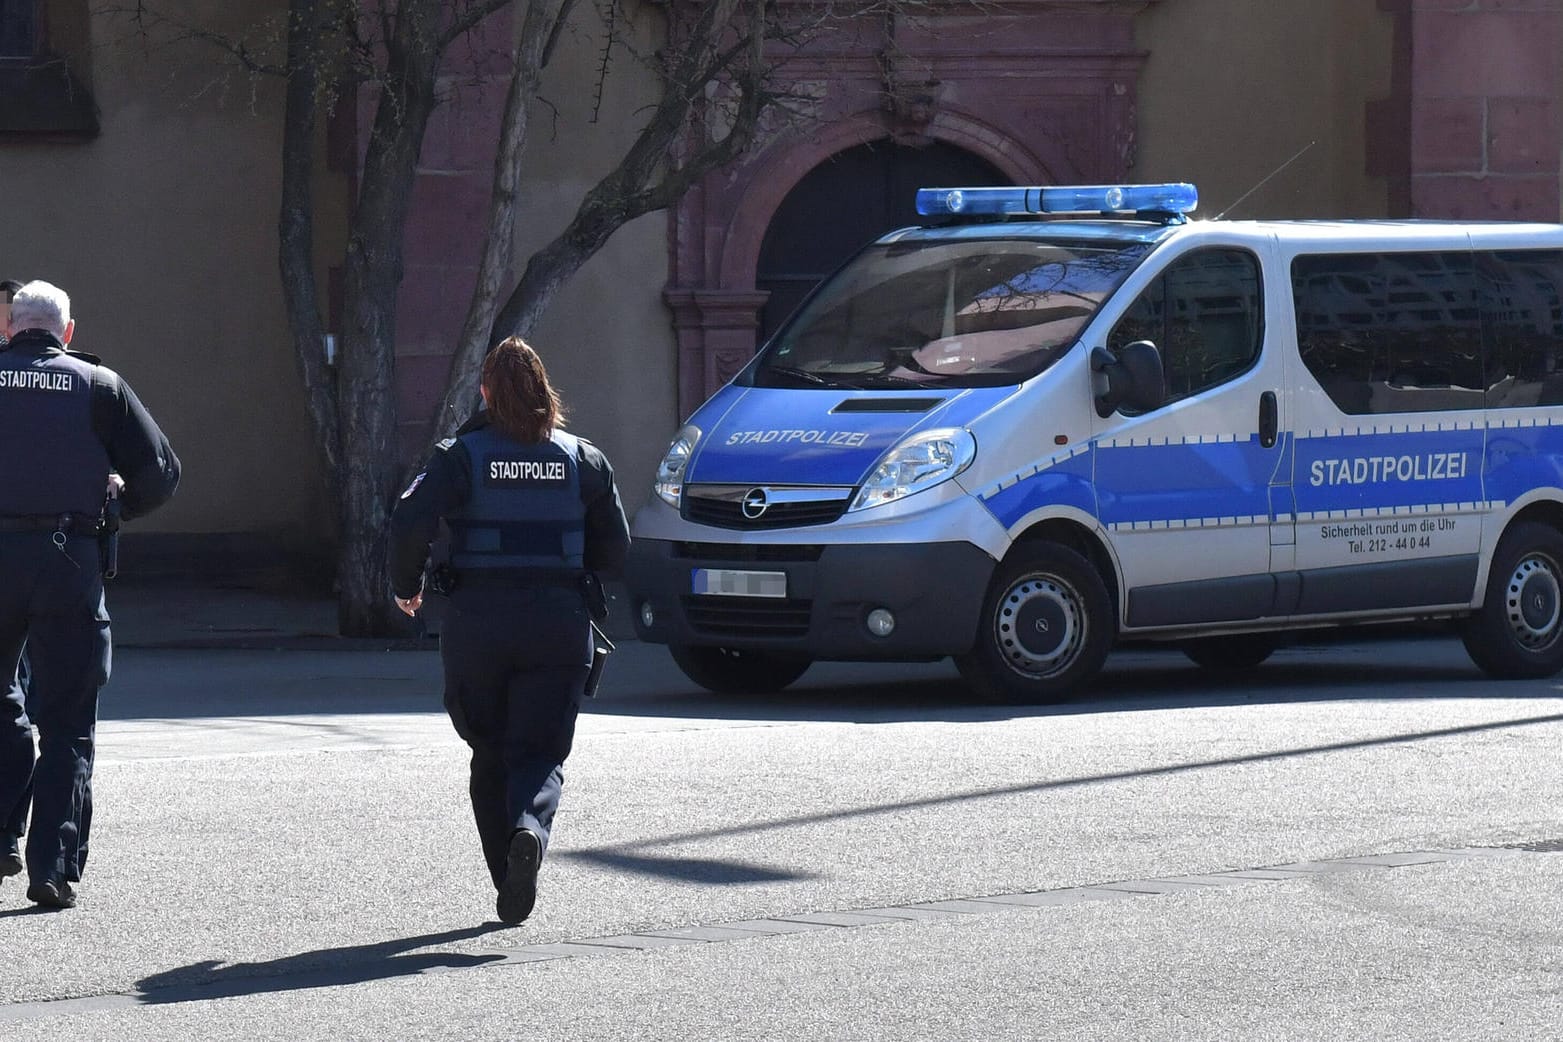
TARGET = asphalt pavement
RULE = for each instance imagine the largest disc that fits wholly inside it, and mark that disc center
(260, 610)
(1355, 841)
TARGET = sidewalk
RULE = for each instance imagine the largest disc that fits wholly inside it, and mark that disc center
(259, 614)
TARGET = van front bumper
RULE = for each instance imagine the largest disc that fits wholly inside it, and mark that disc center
(933, 590)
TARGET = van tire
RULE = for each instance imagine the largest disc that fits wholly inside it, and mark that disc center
(1231, 652)
(738, 671)
(1046, 585)
(1518, 633)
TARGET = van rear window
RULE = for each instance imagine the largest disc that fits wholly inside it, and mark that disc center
(947, 314)
(1414, 332)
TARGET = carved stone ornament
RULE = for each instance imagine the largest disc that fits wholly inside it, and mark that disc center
(911, 103)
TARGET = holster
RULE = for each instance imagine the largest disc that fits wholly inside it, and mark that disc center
(602, 647)
(596, 596)
(439, 582)
(108, 537)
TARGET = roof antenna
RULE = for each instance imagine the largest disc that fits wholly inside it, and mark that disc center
(1267, 177)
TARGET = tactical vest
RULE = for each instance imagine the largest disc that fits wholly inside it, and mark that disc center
(52, 461)
(525, 513)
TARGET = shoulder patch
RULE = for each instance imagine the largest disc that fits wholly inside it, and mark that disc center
(414, 486)
(444, 446)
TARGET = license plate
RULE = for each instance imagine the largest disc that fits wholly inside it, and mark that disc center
(728, 582)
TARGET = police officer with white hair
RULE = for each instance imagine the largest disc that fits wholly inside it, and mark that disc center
(534, 515)
(81, 423)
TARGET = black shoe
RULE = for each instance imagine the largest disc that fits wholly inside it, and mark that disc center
(52, 893)
(518, 892)
(10, 859)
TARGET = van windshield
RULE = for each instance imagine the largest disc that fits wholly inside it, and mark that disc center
(947, 313)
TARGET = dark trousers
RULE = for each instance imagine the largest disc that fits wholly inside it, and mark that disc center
(515, 669)
(15, 821)
(51, 600)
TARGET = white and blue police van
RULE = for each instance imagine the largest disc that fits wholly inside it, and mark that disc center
(1057, 418)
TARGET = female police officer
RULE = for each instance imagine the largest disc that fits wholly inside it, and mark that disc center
(532, 512)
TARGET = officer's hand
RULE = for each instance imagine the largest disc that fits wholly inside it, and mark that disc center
(410, 605)
(116, 484)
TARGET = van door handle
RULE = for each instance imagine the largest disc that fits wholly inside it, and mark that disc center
(1269, 419)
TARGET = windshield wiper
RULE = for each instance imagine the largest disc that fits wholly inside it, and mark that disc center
(796, 374)
(887, 380)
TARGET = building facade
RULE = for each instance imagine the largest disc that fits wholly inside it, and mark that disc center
(141, 172)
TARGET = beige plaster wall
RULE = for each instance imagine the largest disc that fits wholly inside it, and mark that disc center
(1232, 89)
(163, 230)
(608, 338)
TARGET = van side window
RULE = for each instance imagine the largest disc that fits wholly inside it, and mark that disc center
(1391, 332)
(1204, 314)
(1522, 316)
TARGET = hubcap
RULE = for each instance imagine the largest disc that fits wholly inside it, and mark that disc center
(1534, 603)
(1040, 626)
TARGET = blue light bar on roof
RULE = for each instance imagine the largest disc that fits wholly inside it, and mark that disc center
(1176, 198)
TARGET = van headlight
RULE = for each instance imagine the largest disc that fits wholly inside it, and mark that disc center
(920, 462)
(670, 472)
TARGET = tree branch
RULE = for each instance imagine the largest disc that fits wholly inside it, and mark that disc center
(148, 19)
(633, 189)
(539, 31)
(469, 19)
(296, 234)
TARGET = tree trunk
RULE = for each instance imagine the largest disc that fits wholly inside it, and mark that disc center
(366, 399)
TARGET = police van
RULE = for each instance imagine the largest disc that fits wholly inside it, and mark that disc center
(1055, 418)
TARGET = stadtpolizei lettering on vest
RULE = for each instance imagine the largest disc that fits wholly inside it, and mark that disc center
(36, 380)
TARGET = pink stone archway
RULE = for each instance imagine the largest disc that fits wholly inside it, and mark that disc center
(1042, 89)
(717, 324)
(777, 171)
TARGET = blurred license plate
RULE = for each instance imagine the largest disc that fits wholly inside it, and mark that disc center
(727, 582)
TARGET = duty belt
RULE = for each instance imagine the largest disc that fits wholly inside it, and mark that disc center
(80, 524)
(514, 579)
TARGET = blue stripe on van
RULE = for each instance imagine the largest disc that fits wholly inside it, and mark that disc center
(1520, 459)
(1063, 483)
(1375, 471)
(1186, 481)
(1205, 481)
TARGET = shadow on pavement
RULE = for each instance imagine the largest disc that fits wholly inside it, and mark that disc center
(326, 968)
(1136, 680)
(627, 855)
(686, 869)
(184, 685)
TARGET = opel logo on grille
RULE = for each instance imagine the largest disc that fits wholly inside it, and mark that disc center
(755, 504)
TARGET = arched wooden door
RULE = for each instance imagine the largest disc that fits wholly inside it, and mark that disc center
(847, 201)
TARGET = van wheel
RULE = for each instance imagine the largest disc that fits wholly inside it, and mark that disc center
(1046, 627)
(1231, 652)
(735, 671)
(1518, 633)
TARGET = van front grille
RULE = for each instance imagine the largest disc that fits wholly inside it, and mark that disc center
(747, 616)
(739, 506)
(747, 551)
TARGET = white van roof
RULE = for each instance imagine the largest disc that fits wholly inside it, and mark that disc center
(1302, 235)
(1386, 234)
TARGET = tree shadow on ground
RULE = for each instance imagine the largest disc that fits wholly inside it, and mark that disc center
(641, 856)
(1136, 678)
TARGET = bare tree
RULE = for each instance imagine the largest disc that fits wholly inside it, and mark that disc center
(725, 53)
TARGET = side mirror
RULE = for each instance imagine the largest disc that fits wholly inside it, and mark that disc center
(1132, 377)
